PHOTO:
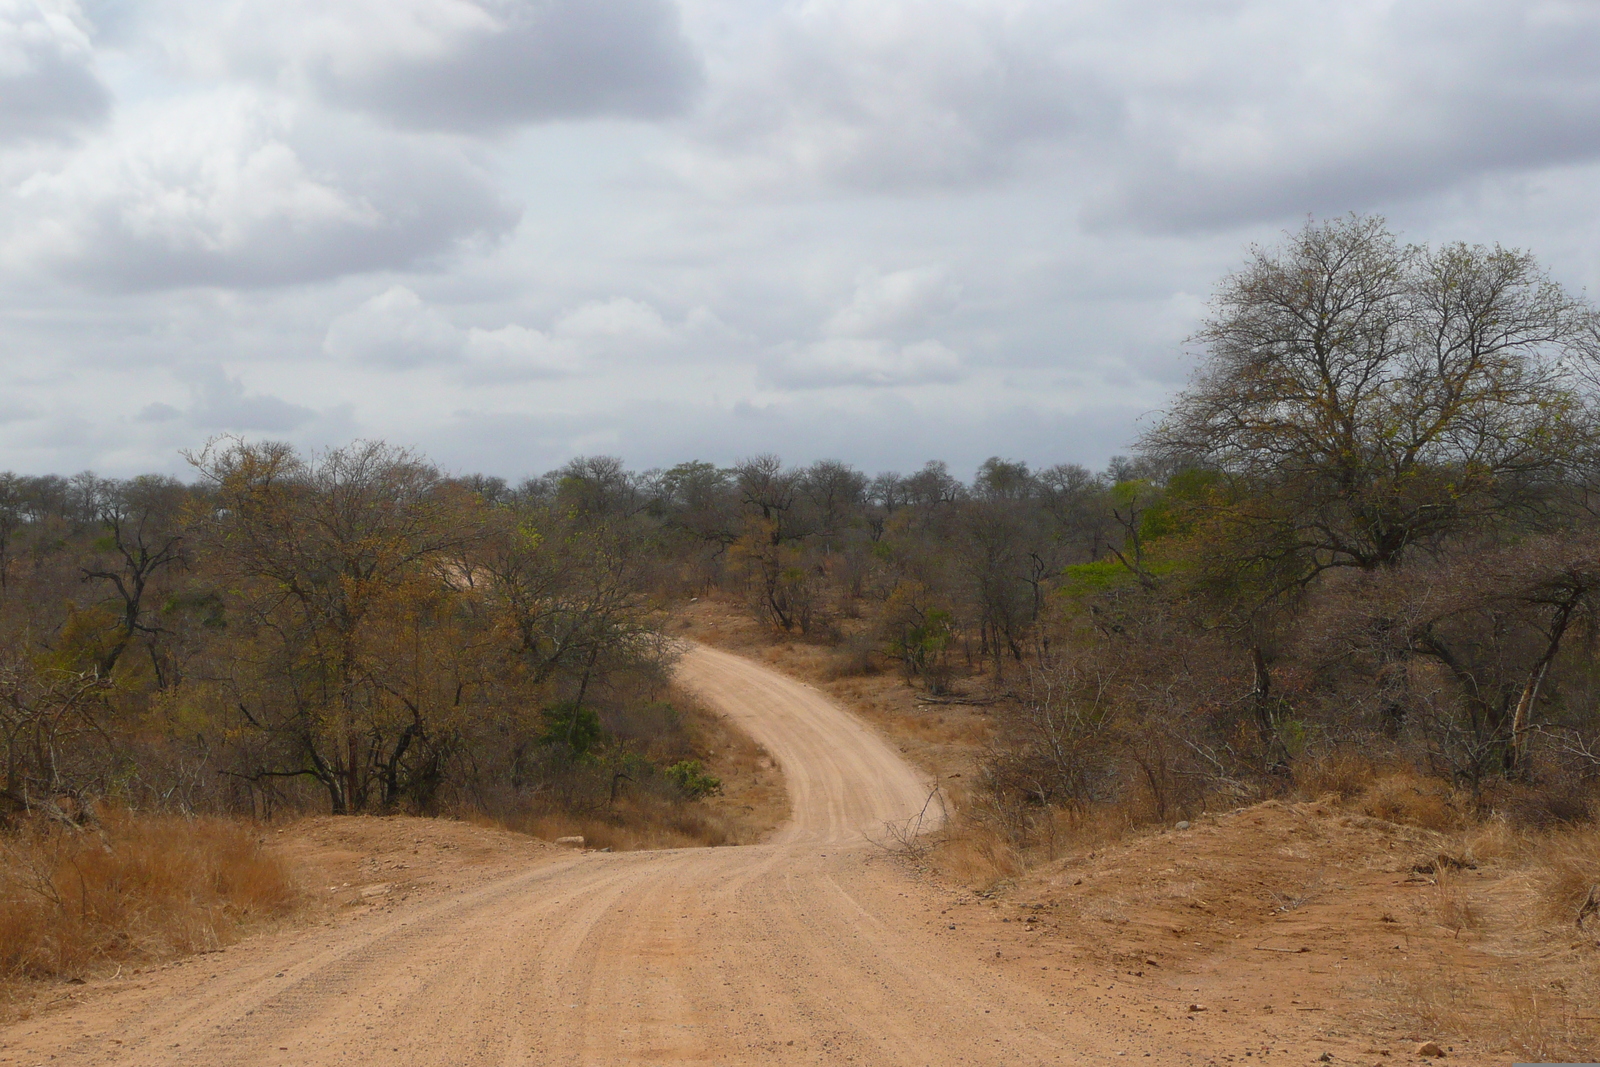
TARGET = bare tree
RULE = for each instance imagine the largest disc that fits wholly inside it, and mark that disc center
(1363, 398)
(144, 536)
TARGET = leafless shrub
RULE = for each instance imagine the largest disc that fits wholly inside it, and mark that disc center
(910, 836)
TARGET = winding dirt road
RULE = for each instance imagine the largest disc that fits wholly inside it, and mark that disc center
(813, 947)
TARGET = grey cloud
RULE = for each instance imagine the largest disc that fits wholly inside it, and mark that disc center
(533, 60)
(222, 403)
(158, 412)
(47, 78)
(1161, 115)
(899, 95)
(1411, 101)
(835, 135)
(13, 411)
(473, 66)
(224, 191)
(114, 21)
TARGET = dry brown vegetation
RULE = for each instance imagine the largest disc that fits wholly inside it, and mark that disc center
(1392, 910)
(1316, 916)
(1383, 904)
(128, 888)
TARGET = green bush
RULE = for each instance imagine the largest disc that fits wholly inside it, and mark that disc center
(571, 728)
(689, 776)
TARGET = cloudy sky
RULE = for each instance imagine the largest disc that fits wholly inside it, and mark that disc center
(508, 232)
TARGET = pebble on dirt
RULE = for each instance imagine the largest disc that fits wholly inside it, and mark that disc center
(1430, 1048)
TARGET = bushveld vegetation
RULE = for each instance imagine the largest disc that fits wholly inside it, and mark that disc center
(348, 632)
(351, 632)
(1364, 536)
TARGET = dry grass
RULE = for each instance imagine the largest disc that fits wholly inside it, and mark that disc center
(629, 826)
(131, 888)
(978, 850)
(1535, 993)
(1413, 800)
(1566, 867)
(974, 854)
(1521, 1017)
(1343, 774)
(1451, 904)
(1494, 841)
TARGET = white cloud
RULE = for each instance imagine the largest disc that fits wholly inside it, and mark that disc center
(884, 302)
(238, 189)
(619, 319)
(395, 329)
(517, 353)
(848, 361)
(48, 84)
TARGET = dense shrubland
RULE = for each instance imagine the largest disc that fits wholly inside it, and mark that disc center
(345, 632)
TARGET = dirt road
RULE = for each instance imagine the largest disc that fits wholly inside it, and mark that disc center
(814, 947)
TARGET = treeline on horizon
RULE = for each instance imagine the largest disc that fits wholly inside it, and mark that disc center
(1365, 532)
(395, 638)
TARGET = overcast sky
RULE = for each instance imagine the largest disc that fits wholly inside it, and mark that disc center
(509, 232)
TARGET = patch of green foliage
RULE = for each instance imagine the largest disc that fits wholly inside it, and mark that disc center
(922, 643)
(1169, 514)
(574, 729)
(690, 777)
(1105, 575)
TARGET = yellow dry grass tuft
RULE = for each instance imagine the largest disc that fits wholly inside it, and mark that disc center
(1401, 796)
(131, 887)
(1452, 906)
(1516, 1016)
(1566, 867)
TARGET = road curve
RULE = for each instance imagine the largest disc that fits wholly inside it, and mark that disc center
(810, 948)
